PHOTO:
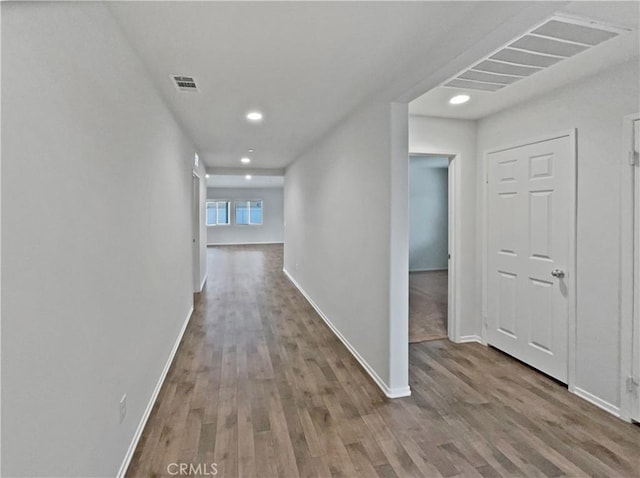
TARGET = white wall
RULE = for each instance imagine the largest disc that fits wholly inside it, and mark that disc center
(96, 236)
(272, 228)
(457, 137)
(595, 107)
(341, 259)
(428, 213)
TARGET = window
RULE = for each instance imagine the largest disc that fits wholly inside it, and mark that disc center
(218, 213)
(249, 212)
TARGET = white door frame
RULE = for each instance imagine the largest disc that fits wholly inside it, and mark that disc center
(629, 302)
(571, 266)
(195, 229)
(454, 235)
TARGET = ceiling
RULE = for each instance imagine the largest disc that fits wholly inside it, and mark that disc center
(232, 181)
(305, 65)
(620, 49)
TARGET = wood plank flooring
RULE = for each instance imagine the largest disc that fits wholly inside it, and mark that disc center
(428, 306)
(261, 387)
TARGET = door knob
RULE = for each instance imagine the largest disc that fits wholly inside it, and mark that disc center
(557, 273)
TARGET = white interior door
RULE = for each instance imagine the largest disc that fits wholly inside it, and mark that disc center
(635, 412)
(452, 329)
(529, 234)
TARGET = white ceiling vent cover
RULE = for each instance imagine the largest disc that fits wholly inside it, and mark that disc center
(184, 83)
(543, 46)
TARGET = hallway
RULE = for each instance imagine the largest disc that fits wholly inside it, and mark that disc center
(261, 387)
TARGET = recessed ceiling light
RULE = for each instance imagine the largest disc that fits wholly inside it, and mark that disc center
(206, 176)
(245, 160)
(459, 99)
(254, 116)
(250, 150)
(248, 176)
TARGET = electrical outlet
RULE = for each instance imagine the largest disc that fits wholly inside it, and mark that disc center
(123, 407)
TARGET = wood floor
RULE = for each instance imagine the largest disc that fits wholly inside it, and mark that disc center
(261, 387)
(427, 306)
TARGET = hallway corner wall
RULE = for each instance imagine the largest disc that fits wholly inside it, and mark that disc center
(341, 259)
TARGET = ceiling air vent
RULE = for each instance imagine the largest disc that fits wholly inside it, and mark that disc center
(543, 46)
(184, 83)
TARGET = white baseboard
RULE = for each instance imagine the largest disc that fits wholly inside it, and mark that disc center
(145, 416)
(204, 281)
(428, 270)
(597, 401)
(397, 392)
(388, 391)
(464, 339)
(213, 244)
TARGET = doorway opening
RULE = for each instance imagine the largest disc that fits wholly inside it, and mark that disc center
(428, 247)
(432, 246)
(195, 231)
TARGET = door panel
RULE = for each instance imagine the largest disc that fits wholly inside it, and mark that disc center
(528, 233)
(507, 304)
(540, 224)
(507, 215)
(541, 317)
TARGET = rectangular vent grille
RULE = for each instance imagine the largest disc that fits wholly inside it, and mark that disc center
(545, 45)
(184, 83)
